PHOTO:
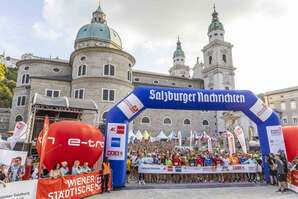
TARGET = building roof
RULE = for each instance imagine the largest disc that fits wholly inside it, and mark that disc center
(284, 90)
(65, 102)
(162, 75)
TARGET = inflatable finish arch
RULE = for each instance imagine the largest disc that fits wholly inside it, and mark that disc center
(141, 98)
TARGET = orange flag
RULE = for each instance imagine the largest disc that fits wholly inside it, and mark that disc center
(46, 125)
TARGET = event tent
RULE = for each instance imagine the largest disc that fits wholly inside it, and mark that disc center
(131, 136)
(139, 135)
(161, 136)
(146, 135)
(172, 136)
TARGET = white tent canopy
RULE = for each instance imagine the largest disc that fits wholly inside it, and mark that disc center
(139, 135)
(131, 136)
(161, 136)
(172, 136)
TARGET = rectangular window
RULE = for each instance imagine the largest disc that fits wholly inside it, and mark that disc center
(295, 120)
(108, 95)
(293, 105)
(21, 100)
(79, 93)
(109, 70)
(52, 93)
(283, 106)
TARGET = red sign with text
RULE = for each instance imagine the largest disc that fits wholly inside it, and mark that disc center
(72, 187)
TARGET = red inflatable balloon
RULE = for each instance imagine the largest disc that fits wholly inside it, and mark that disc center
(71, 140)
(291, 141)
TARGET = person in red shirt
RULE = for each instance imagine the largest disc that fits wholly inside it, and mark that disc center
(200, 161)
(176, 160)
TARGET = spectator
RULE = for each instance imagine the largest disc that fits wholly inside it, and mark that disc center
(76, 169)
(272, 169)
(281, 175)
(64, 169)
(2, 173)
(106, 175)
(128, 168)
(15, 171)
(55, 173)
(85, 168)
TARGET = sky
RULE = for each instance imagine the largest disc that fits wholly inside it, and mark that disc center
(264, 33)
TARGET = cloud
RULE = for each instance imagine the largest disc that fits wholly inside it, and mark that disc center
(262, 31)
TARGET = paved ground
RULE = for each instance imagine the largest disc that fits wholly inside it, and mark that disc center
(182, 192)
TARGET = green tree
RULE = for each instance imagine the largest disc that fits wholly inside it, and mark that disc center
(2, 71)
(11, 74)
(5, 95)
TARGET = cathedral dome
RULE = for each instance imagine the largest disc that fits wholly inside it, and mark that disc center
(100, 32)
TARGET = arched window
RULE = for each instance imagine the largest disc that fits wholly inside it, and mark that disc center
(187, 122)
(205, 123)
(104, 116)
(25, 79)
(82, 70)
(19, 118)
(83, 58)
(210, 59)
(224, 58)
(145, 120)
(167, 121)
(109, 70)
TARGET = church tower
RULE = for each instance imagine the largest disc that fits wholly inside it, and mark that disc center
(218, 63)
(218, 69)
(179, 68)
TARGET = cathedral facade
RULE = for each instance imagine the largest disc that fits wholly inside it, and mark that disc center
(101, 71)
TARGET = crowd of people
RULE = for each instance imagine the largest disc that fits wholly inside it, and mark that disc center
(168, 154)
(18, 172)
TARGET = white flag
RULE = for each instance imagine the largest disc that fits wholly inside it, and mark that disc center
(241, 138)
(231, 142)
(19, 130)
(210, 149)
(190, 138)
(180, 138)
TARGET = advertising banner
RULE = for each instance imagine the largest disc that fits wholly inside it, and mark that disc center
(72, 187)
(6, 156)
(293, 180)
(162, 169)
(241, 138)
(20, 190)
(231, 143)
(275, 139)
(116, 139)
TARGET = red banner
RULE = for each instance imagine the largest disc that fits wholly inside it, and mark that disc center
(293, 180)
(72, 187)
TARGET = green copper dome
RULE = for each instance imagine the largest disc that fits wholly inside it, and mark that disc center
(179, 52)
(99, 31)
(215, 24)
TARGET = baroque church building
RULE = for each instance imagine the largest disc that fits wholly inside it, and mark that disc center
(100, 73)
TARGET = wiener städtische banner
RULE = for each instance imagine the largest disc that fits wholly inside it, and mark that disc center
(293, 180)
(72, 187)
(161, 169)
